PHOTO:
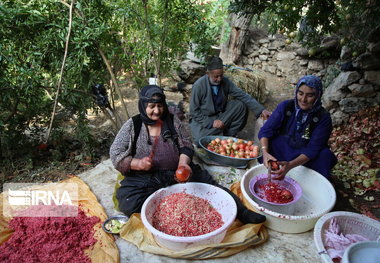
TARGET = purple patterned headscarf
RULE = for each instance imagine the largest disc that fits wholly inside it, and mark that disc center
(315, 83)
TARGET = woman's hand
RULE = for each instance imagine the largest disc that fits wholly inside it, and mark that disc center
(268, 157)
(184, 171)
(284, 169)
(143, 164)
(286, 166)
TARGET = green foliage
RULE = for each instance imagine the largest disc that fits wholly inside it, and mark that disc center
(347, 18)
(33, 35)
(137, 38)
(154, 34)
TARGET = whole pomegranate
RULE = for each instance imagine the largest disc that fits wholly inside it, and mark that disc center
(182, 174)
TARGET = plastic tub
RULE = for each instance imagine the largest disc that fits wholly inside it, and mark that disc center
(349, 223)
(218, 198)
(318, 198)
(367, 251)
(288, 183)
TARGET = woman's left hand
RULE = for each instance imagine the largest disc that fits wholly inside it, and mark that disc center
(284, 169)
(183, 173)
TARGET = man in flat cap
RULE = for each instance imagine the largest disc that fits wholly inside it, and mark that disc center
(211, 111)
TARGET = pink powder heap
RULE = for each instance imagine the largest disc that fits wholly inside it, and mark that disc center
(186, 215)
(49, 239)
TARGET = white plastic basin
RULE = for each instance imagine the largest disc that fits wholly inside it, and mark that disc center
(318, 198)
(349, 223)
(217, 197)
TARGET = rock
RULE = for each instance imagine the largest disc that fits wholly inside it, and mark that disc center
(289, 68)
(270, 69)
(362, 90)
(294, 45)
(304, 62)
(190, 71)
(335, 91)
(374, 36)
(377, 98)
(374, 47)
(372, 101)
(263, 41)
(275, 45)
(285, 55)
(351, 105)
(263, 57)
(338, 118)
(254, 54)
(329, 43)
(345, 53)
(303, 52)
(372, 77)
(293, 79)
(248, 49)
(264, 51)
(367, 61)
(315, 65)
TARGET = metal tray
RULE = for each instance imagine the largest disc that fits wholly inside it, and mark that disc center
(221, 159)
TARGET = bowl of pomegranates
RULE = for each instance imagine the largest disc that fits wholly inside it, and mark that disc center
(278, 195)
(186, 215)
(318, 198)
(230, 151)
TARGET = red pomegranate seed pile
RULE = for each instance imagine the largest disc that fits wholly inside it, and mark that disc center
(186, 215)
(49, 239)
(274, 193)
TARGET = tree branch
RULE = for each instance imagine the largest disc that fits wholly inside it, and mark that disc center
(61, 73)
(117, 87)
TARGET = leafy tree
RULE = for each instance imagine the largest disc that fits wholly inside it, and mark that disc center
(350, 19)
(107, 38)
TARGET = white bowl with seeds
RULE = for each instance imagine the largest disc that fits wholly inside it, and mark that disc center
(219, 199)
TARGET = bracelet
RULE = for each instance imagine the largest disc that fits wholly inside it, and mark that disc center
(264, 147)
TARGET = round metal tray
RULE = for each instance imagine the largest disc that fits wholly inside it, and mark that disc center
(221, 159)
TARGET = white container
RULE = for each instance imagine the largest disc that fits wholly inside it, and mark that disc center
(367, 251)
(218, 198)
(349, 223)
(318, 198)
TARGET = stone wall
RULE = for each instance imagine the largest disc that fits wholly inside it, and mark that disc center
(346, 92)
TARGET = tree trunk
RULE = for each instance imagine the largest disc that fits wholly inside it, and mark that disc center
(232, 50)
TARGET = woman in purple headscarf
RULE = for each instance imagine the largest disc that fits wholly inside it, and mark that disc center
(298, 130)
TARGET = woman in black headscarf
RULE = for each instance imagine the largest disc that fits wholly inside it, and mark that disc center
(149, 148)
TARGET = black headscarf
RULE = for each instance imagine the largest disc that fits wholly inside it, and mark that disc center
(146, 96)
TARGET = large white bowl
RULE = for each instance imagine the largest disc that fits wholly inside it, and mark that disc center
(218, 198)
(349, 223)
(318, 198)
